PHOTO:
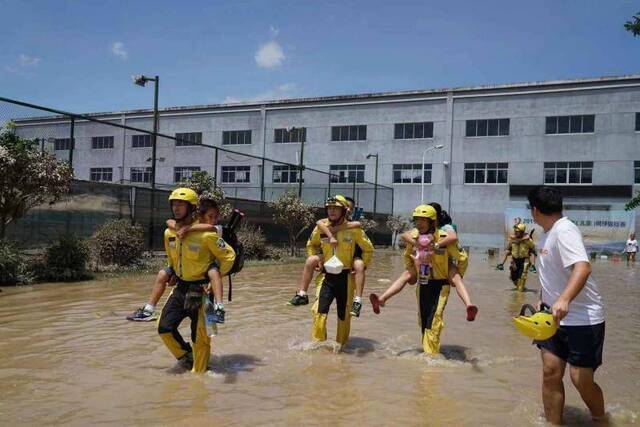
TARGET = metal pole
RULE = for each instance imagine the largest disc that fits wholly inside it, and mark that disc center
(72, 143)
(355, 178)
(154, 144)
(262, 182)
(375, 189)
(329, 187)
(215, 167)
(422, 178)
(300, 167)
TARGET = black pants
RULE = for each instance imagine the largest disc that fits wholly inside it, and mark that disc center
(334, 286)
(173, 313)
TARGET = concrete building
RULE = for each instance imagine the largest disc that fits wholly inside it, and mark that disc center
(498, 141)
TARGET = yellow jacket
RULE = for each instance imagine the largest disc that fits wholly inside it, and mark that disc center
(439, 259)
(521, 248)
(347, 241)
(191, 257)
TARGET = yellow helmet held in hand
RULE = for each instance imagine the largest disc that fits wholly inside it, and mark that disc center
(540, 325)
(520, 227)
(184, 194)
(425, 211)
(337, 200)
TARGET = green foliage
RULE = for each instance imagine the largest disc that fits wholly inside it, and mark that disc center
(294, 214)
(66, 260)
(204, 184)
(253, 240)
(13, 264)
(118, 242)
(368, 224)
(633, 26)
(397, 224)
(29, 177)
(633, 203)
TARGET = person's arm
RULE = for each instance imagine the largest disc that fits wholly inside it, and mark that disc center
(202, 226)
(367, 247)
(451, 238)
(326, 230)
(407, 237)
(578, 278)
(221, 251)
(346, 226)
(167, 251)
(314, 246)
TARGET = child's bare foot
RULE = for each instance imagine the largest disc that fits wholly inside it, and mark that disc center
(375, 303)
(472, 311)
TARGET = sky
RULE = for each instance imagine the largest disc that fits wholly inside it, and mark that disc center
(79, 56)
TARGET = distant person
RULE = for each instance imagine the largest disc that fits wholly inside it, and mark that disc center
(576, 304)
(631, 248)
(522, 251)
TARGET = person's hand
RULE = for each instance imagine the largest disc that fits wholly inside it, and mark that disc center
(207, 289)
(538, 305)
(500, 266)
(559, 310)
(533, 269)
(319, 266)
(183, 232)
(172, 280)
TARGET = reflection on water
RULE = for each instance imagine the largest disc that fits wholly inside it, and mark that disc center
(68, 356)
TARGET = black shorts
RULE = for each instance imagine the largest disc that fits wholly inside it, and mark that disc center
(516, 272)
(579, 346)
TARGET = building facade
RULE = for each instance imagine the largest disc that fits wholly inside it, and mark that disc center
(497, 142)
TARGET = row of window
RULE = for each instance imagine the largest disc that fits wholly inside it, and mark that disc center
(412, 173)
(555, 125)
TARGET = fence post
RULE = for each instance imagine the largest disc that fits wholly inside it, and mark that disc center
(262, 182)
(72, 142)
(329, 187)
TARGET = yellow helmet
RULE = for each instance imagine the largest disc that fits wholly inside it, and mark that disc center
(540, 325)
(337, 200)
(520, 227)
(425, 211)
(184, 194)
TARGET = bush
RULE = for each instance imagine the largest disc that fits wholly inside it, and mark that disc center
(13, 264)
(253, 240)
(118, 242)
(64, 261)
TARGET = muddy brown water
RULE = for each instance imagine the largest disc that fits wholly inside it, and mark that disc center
(69, 357)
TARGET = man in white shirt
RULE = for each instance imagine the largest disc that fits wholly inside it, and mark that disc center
(567, 286)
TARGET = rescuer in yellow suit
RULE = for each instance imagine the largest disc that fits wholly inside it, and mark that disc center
(522, 250)
(190, 258)
(338, 285)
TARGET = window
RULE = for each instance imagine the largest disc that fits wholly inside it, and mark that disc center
(347, 173)
(570, 124)
(102, 142)
(236, 137)
(568, 172)
(413, 130)
(234, 174)
(290, 135)
(60, 144)
(190, 138)
(636, 166)
(349, 133)
(101, 174)
(638, 122)
(140, 141)
(490, 127)
(285, 174)
(141, 174)
(181, 173)
(410, 173)
(486, 173)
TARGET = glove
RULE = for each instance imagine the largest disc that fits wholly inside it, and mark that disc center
(500, 267)
(533, 269)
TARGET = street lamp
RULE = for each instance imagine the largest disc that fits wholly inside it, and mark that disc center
(375, 185)
(426, 150)
(141, 80)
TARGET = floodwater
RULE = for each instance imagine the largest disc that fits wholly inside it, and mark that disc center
(69, 357)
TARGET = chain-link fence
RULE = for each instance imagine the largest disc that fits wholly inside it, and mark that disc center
(116, 152)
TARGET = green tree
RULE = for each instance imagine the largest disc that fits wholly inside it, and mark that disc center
(294, 214)
(633, 203)
(29, 177)
(205, 185)
(633, 26)
(397, 224)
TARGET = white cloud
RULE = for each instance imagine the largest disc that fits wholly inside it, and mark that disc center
(270, 55)
(23, 64)
(117, 48)
(284, 91)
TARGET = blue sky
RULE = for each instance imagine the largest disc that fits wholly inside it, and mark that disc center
(79, 55)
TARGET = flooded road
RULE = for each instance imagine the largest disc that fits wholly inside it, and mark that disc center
(69, 357)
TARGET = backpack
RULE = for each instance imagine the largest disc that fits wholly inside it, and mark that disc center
(229, 235)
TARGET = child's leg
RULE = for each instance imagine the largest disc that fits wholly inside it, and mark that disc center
(307, 273)
(215, 281)
(358, 268)
(455, 279)
(158, 287)
(397, 286)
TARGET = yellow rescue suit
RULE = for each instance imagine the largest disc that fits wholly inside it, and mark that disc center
(191, 258)
(340, 286)
(520, 250)
(432, 297)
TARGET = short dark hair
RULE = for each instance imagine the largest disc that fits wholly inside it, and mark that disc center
(206, 204)
(548, 200)
(350, 200)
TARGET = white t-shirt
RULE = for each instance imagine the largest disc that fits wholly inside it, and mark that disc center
(631, 246)
(558, 250)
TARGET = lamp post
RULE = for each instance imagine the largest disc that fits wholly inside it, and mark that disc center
(375, 184)
(426, 150)
(141, 80)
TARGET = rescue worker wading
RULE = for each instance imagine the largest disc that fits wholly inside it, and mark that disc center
(338, 286)
(521, 249)
(190, 258)
(432, 296)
